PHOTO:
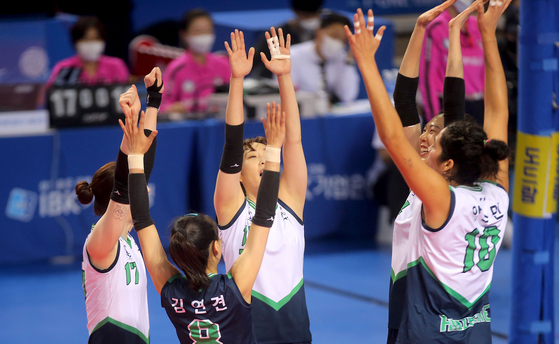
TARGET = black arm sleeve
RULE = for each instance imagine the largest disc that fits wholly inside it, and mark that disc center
(267, 199)
(139, 201)
(405, 91)
(232, 158)
(149, 157)
(454, 100)
(120, 186)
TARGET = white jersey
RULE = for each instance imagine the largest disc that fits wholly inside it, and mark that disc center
(116, 298)
(450, 268)
(278, 292)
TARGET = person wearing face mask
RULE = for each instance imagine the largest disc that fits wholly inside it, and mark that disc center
(89, 66)
(322, 65)
(433, 63)
(301, 28)
(192, 77)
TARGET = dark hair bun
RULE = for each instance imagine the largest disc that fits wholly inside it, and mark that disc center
(498, 150)
(84, 192)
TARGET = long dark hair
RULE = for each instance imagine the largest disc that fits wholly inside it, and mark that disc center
(474, 156)
(101, 187)
(191, 236)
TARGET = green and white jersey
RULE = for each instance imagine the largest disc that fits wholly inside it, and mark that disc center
(116, 298)
(279, 309)
(450, 269)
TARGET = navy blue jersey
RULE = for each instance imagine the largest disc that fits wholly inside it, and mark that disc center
(218, 314)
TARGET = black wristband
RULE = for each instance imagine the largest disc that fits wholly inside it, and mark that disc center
(139, 201)
(120, 186)
(267, 199)
(405, 92)
(454, 100)
(149, 156)
(154, 96)
(232, 158)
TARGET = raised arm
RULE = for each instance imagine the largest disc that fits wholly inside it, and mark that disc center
(246, 267)
(159, 267)
(425, 182)
(228, 195)
(408, 76)
(293, 185)
(103, 243)
(496, 114)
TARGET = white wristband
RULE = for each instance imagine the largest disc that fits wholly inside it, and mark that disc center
(136, 161)
(273, 154)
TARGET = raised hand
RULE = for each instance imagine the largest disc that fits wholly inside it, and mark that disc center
(129, 101)
(155, 74)
(427, 17)
(363, 44)
(457, 22)
(138, 143)
(278, 66)
(487, 21)
(241, 65)
(274, 125)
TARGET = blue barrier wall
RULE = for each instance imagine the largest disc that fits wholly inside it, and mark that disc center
(42, 218)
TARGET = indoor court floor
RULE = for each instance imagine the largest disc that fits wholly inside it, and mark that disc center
(346, 288)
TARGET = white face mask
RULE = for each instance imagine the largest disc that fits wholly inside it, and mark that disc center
(200, 44)
(331, 47)
(310, 24)
(90, 51)
(461, 5)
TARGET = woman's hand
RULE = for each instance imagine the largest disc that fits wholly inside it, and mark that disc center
(138, 143)
(363, 44)
(426, 18)
(279, 66)
(154, 75)
(458, 22)
(274, 125)
(241, 65)
(129, 101)
(487, 21)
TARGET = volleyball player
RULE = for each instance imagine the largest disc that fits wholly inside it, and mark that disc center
(456, 230)
(205, 307)
(114, 276)
(406, 107)
(279, 305)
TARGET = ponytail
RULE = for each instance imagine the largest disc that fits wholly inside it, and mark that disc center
(191, 237)
(101, 188)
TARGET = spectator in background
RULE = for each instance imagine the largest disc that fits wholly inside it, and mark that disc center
(89, 66)
(192, 78)
(302, 28)
(433, 63)
(323, 64)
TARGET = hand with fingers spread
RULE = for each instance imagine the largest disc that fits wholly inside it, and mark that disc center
(363, 44)
(458, 22)
(426, 18)
(138, 142)
(274, 125)
(241, 65)
(487, 21)
(129, 101)
(280, 62)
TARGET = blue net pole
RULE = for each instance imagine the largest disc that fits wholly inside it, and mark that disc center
(535, 184)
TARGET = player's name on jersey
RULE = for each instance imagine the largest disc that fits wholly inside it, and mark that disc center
(451, 325)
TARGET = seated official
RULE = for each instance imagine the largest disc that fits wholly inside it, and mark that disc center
(191, 78)
(89, 66)
(323, 64)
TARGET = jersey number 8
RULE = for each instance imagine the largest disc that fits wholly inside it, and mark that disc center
(204, 332)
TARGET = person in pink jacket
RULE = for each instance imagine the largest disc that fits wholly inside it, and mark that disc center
(433, 63)
(192, 78)
(89, 66)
